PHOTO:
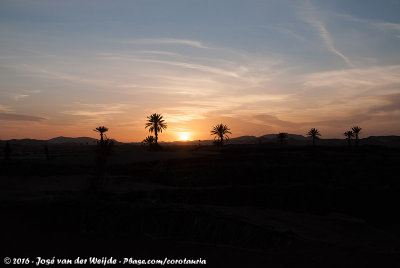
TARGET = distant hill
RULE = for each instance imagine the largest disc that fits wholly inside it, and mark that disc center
(58, 140)
(27, 142)
(393, 141)
(293, 139)
(290, 136)
(244, 140)
(269, 138)
(81, 140)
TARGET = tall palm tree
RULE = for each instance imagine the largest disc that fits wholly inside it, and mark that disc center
(314, 133)
(221, 131)
(101, 130)
(282, 137)
(156, 124)
(349, 134)
(356, 130)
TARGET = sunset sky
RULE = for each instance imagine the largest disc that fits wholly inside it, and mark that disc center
(261, 67)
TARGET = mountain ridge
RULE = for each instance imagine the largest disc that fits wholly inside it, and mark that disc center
(293, 139)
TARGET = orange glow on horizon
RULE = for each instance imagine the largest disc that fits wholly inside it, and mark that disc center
(184, 136)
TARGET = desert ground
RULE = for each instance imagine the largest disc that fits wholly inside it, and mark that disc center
(237, 205)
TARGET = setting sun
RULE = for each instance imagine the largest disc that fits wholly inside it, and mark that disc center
(184, 136)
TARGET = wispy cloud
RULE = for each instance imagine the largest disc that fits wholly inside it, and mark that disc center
(373, 24)
(4, 108)
(337, 95)
(199, 67)
(167, 41)
(35, 91)
(378, 78)
(235, 106)
(391, 103)
(388, 25)
(17, 97)
(95, 110)
(41, 72)
(19, 117)
(285, 29)
(90, 113)
(158, 52)
(311, 16)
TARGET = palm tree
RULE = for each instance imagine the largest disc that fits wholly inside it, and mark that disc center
(314, 133)
(156, 124)
(356, 130)
(103, 152)
(349, 134)
(282, 137)
(101, 130)
(220, 131)
(149, 140)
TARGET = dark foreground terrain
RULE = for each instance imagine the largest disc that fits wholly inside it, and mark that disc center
(237, 206)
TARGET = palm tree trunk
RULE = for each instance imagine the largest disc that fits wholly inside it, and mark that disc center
(356, 139)
(101, 138)
(313, 140)
(349, 141)
(222, 139)
(156, 132)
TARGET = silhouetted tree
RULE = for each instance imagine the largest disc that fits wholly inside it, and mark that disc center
(221, 131)
(156, 124)
(101, 130)
(7, 151)
(282, 137)
(349, 134)
(314, 133)
(149, 140)
(103, 152)
(356, 130)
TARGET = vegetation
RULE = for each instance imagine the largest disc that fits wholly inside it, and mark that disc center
(282, 138)
(156, 124)
(356, 130)
(193, 196)
(149, 140)
(101, 130)
(103, 152)
(221, 132)
(349, 134)
(314, 133)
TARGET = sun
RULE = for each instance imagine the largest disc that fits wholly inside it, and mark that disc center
(184, 136)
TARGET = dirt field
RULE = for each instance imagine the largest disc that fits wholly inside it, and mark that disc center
(244, 206)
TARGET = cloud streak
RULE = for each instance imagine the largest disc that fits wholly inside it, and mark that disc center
(167, 41)
(19, 117)
(373, 24)
(4, 108)
(37, 71)
(96, 110)
(312, 18)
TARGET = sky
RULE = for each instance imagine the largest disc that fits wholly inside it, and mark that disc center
(260, 67)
